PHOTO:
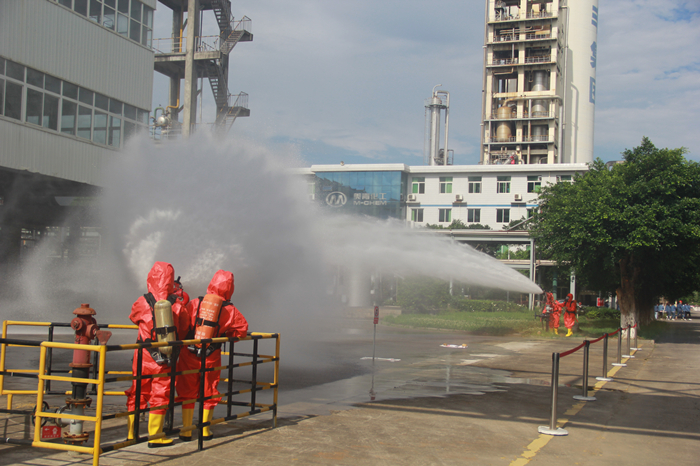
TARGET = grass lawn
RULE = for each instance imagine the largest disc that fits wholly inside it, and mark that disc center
(509, 323)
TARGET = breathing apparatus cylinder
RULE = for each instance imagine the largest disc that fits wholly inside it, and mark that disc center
(209, 310)
(165, 327)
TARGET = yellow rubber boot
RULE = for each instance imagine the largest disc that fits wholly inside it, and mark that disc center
(155, 427)
(130, 422)
(569, 333)
(187, 415)
(206, 432)
(556, 331)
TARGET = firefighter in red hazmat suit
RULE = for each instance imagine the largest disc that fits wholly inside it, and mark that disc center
(553, 308)
(569, 313)
(230, 323)
(156, 391)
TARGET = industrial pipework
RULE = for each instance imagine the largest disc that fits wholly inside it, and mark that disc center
(433, 107)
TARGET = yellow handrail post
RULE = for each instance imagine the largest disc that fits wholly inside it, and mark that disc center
(2, 365)
(98, 407)
(276, 374)
(40, 394)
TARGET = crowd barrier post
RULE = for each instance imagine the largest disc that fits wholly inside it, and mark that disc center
(619, 349)
(628, 355)
(636, 332)
(605, 377)
(552, 429)
(584, 395)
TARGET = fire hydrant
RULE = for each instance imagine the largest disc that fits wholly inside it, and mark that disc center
(86, 329)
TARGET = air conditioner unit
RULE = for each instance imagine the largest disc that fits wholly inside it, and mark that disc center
(518, 198)
(411, 198)
(459, 198)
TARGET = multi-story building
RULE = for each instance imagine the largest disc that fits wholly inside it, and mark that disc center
(539, 81)
(75, 81)
(489, 195)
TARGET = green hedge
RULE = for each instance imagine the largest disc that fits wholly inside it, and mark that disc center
(474, 305)
(599, 313)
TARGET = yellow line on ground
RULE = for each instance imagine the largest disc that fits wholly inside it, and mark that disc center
(536, 445)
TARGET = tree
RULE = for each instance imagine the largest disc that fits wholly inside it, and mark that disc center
(633, 229)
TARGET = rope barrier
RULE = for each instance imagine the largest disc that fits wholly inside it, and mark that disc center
(571, 351)
(552, 429)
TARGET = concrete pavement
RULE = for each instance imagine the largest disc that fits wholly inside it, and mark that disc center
(449, 406)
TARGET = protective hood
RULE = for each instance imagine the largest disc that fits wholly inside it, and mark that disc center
(160, 280)
(570, 297)
(221, 284)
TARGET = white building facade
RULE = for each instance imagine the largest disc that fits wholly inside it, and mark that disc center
(489, 195)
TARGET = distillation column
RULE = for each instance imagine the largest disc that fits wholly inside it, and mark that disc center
(433, 107)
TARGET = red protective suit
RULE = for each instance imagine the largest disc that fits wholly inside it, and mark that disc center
(231, 324)
(155, 392)
(570, 311)
(554, 308)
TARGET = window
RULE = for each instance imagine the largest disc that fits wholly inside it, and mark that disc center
(15, 71)
(418, 185)
(473, 215)
(474, 184)
(564, 178)
(68, 117)
(135, 31)
(136, 10)
(503, 184)
(81, 7)
(416, 215)
(99, 135)
(530, 213)
(84, 122)
(534, 184)
(502, 215)
(13, 100)
(34, 104)
(445, 215)
(50, 112)
(96, 11)
(108, 20)
(115, 131)
(445, 184)
(57, 105)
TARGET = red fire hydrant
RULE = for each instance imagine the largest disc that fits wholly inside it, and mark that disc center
(86, 329)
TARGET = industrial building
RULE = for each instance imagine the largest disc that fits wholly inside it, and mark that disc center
(539, 81)
(76, 81)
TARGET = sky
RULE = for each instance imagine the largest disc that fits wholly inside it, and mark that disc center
(331, 81)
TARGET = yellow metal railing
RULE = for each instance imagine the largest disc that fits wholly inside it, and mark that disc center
(102, 377)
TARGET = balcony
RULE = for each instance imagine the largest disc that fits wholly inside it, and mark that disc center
(539, 15)
(538, 138)
(517, 36)
(514, 116)
(504, 61)
(511, 140)
(538, 59)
